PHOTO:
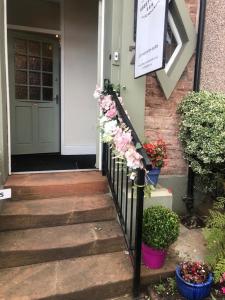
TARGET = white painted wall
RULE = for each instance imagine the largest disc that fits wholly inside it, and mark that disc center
(80, 42)
(34, 13)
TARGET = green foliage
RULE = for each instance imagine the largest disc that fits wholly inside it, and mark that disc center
(167, 287)
(215, 235)
(149, 188)
(202, 132)
(160, 289)
(160, 227)
(219, 270)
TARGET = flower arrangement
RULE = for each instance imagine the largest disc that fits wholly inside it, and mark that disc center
(156, 152)
(115, 132)
(194, 272)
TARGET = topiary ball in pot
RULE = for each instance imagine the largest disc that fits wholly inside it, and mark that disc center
(160, 230)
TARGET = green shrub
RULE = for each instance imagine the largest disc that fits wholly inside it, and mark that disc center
(219, 270)
(202, 133)
(215, 237)
(160, 227)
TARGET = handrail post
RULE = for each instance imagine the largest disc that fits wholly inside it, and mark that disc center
(138, 231)
(104, 159)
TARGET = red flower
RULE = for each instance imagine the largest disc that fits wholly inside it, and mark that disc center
(156, 152)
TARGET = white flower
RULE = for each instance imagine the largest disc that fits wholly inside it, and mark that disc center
(97, 92)
(103, 120)
(110, 128)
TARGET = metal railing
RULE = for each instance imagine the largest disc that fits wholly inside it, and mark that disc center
(128, 195)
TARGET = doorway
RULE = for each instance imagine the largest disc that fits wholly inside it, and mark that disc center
(56, 122)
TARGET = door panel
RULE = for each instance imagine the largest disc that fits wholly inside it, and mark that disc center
(34, 93)
(46, 124)
(24, 120)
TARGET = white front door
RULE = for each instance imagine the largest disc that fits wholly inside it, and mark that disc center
(34, 93)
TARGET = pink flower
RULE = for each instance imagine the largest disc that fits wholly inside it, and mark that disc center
(122, 140)
(112, 112)
(223, 290)
(105, 102)
(133, 158)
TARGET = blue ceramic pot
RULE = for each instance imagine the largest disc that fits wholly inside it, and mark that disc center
(191, 291)
(153, 176)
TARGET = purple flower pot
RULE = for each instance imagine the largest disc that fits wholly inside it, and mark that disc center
(153, 258)
(153, 176)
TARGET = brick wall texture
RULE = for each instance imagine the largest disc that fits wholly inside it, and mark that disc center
(161, 119)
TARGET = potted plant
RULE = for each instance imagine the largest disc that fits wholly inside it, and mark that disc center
(194, 280)
(160, 230)
(157, 154)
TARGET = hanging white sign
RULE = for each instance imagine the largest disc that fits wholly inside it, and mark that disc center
(150, 36)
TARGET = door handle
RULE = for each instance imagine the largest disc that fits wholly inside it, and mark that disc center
(56, 98)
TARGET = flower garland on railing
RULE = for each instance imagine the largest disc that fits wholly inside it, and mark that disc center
(116, 133)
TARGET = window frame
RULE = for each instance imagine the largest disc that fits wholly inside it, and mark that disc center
(169, 77)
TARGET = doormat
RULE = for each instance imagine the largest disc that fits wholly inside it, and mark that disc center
(52, 162)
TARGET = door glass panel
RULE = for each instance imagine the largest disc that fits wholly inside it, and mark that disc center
(47, 94)
(47, 49)
(20, 61)
(21, 46)
(21, 92)
(35, 93)
(34, 48)
(34, 63)
(47, 65)
(34, 78)
(33, 70)
(47, 79)
(21, 77)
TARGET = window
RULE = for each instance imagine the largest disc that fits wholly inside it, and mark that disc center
(173, 42)
(33, 70)
(180, 45)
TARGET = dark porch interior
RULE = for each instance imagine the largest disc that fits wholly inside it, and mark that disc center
(51, 162)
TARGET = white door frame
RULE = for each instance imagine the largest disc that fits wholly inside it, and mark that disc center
(100, 68)
(7, 87)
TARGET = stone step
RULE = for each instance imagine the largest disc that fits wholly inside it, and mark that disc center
(31, 246)
(55, 212)
(95, 277)
(53, 185)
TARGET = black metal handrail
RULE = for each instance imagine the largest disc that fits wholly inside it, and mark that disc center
(129, 205)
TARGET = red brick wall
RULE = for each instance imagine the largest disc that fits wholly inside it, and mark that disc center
(161, 119)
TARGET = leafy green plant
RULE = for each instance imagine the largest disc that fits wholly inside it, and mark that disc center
(215, 236)
(160, 289)
(167, 287)
(160, 227)
(215, 233)
(219, 270)
(202, 134)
